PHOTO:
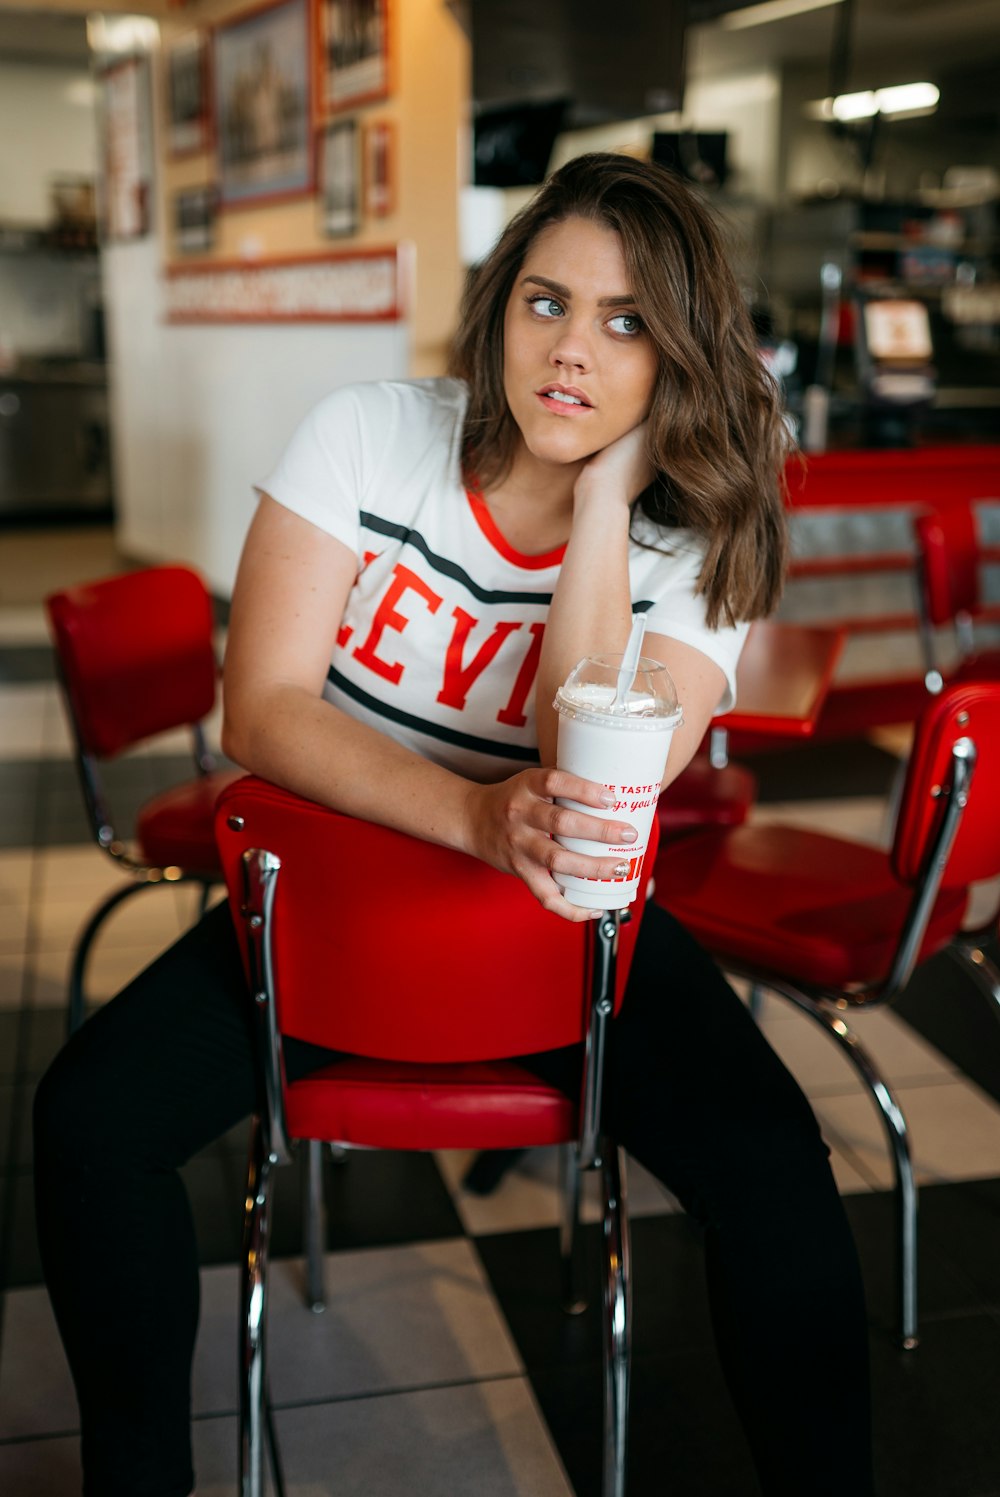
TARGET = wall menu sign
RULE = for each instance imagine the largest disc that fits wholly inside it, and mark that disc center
(353, 286)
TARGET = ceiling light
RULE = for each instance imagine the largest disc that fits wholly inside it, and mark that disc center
(122, 34)
(771, 10)
(903, 100)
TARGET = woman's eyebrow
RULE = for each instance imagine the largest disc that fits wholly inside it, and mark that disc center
(565, 294)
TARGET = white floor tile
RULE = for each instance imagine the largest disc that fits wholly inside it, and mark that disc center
(851, 1180)
(860, 818)
(16, 889)
(22, 721)
(23, 624)
(954, 1132)
(36, 1390)
(395, 1318)
(820, 1066)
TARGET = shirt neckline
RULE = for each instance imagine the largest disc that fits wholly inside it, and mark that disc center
(488, 526)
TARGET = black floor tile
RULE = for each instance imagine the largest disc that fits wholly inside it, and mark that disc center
(26, 663)
(944, 1004)
(935, 1411)
(18, 819)
(823, 771)
(951, 1280)
(684, 1436)
(671, 1305)
(21, 1264)
(961, 1221)
(377, 1197)
(15, 1125)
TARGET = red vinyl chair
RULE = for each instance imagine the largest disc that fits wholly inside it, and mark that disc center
(430, 971)
(136, 659)
(833, 924)
(704, 795)
(948, 592)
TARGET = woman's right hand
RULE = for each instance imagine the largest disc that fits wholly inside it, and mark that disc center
(512, 826)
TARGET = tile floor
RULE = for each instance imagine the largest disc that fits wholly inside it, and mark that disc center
(443, 1363)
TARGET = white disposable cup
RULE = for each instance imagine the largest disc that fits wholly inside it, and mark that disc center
(625, 750)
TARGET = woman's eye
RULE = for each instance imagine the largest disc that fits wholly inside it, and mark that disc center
(627, 323)
(545, 306)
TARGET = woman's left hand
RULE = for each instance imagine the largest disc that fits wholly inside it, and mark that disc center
(619, 472)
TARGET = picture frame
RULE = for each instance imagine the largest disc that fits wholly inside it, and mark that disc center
(194, 220)
(379, 168)
(189, 129)
(262, 104)
(352, 53)
(340, 194)
(127, 150)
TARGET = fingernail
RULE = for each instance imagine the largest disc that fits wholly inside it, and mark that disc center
(629, 834)
(595, 914)
(607, 798)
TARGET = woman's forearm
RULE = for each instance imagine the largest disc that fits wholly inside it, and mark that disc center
(300, 741)
(591, 609)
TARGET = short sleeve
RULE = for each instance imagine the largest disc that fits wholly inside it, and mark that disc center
(324, 471)
(678, 611)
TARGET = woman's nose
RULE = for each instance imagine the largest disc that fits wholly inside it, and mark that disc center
(571, 348)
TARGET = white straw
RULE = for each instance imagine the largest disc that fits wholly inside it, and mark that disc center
(630, 662)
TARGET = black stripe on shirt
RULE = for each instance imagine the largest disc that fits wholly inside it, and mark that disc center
(451, 569)
(432, 730)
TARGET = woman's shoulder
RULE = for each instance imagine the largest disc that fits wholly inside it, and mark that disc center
(669, 548)
(375, 402)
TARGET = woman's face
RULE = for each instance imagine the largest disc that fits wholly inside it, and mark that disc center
(579, 366)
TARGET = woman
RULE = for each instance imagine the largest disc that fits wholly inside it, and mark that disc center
(610, 443)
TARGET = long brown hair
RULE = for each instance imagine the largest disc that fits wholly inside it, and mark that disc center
(716, 437)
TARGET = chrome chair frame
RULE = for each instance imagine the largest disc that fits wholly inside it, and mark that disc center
(143, 875)
(827, 1008)
(270, 1147)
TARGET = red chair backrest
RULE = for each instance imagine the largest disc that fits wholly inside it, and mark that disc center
(136, 655)
(949, 558)
(397, 949)
(971, 711)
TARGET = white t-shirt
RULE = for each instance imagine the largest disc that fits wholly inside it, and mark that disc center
(440, 641)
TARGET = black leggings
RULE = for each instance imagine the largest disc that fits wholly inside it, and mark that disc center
(695, 1094)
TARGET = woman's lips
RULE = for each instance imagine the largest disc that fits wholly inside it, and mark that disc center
(564, 402)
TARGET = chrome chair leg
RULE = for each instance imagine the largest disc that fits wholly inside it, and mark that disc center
(312, 1225)
(253, 1309)
(574, 1292)
(898, 1137)
(617, 1323)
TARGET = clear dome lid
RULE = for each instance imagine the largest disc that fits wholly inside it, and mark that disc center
(590, 692)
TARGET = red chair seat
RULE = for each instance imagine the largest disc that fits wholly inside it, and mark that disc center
(392, 1105)
(177, 827)
(702, 796)
(815, 909)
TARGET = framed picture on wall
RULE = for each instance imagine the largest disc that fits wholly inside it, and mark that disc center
(194, 220)
(380, 168)
(261, 104)
(353, 61)
(126, 139)
(340, 199)
(188, 116)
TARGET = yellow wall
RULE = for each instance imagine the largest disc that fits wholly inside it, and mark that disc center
(428, 105)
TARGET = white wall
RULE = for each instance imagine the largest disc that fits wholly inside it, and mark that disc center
(199, 413)
(48, 129)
